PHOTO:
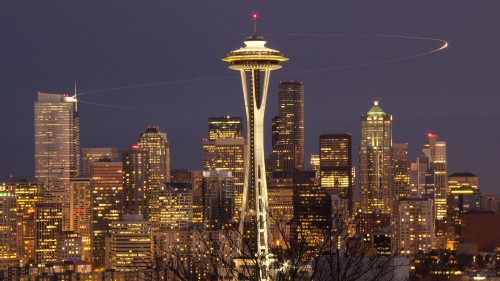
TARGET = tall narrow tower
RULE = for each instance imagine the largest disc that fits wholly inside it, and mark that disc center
(255, 62)
(57, 147)
(375, 165)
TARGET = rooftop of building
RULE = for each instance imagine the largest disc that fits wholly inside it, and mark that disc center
(463, 174)
(376, 110)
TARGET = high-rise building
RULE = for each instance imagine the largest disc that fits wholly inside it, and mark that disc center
(224, 150)
(375, 165)
(69, 246)
(94, 154)
(107, 198)
(401, 168)
(48, 227)
(255, 62)
(156, 143)
(81, 213)
(280, 213)
(218, 198)
(463, 196)
(312, 210)
(436, 152)
(288, 128)
(136, 181)
(57, 146)
(9, 254)
(412, 226)
(131, 243)
(225, 127)
(28, 192)
(336, 173)
(176, 208)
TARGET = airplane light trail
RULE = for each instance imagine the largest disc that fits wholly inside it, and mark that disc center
(444, 45)
(156, 84)
(106, 105)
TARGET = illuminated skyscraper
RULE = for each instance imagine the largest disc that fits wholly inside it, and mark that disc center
(156, 143)
(95, 154)
(375, 165)
(312, 209)
(57, 146)
(288, 137)
(225, 127)
(255, 59)
(336, 174)
(218, 198)
(81, 213)
(436, 152)
(225, 150)
(9, 254)
(28, 192)
(131, 243)
(280, 213)
(48, 226)
(413, 226)
(107, 198)
(136, 181)
(176, 207)
(463, 196)
(401, 171)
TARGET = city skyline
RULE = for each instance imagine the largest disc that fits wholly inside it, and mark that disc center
(425, 94)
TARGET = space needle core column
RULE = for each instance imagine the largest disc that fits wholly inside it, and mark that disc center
(255, 62)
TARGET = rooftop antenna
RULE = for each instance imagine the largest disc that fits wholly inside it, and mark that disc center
(74, 96)
(255, 16)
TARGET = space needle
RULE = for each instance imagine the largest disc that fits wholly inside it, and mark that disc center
(255, 62)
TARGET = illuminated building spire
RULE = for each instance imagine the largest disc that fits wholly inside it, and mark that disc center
(255, 62)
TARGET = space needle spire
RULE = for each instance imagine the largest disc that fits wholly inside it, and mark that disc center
(255, 62)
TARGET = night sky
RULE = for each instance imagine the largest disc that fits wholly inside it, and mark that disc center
(47, 45)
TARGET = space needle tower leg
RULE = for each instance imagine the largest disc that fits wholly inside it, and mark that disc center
(255, 62)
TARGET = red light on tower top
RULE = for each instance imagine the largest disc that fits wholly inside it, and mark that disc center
(255, 17)
(431, 135)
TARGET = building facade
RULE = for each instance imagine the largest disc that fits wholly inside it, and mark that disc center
(9, 253)
(288, 128)
(336, 173)
(48, 227)
(94, 154)
(224, 150)
(218, 198)
(401, 171)
(375, 167)
(57, 146)
(107, 198)
(81, 213)
(412, 226)
(131, 243)
(136, 182)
